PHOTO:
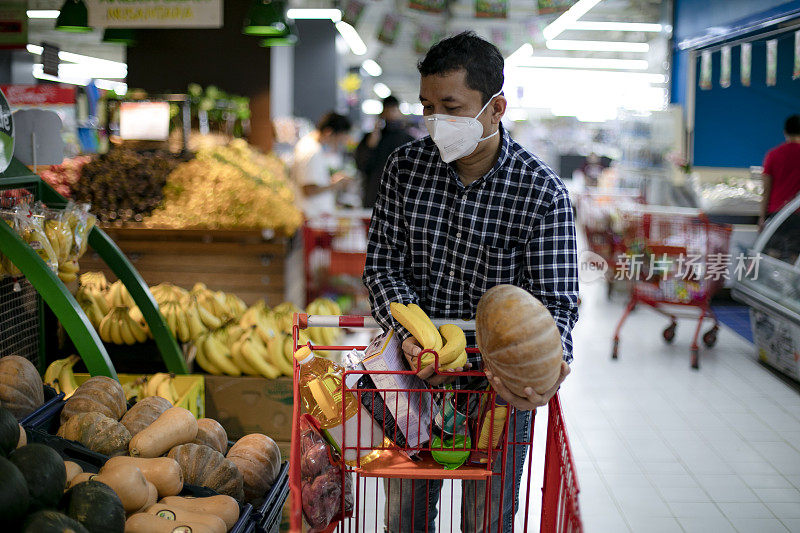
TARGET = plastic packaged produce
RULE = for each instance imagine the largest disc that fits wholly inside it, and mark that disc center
(30, 228)
(323, 478)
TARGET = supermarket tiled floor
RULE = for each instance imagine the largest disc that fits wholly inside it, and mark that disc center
(662, 448)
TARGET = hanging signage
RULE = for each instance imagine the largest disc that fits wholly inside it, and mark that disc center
(6, 134)
(747, 63)
(429, 6)
(144, 121)
(389, 29)
(772, 62)
(705, 70)
(352, 12)
(13, 24)
(725, 67)
(424, 38)
(796, 69)
(494, 9)
(50, 59)
(547, 7)
(39, 95)
(155, 13)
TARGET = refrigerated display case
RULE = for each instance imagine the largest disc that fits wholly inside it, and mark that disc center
(773, 293)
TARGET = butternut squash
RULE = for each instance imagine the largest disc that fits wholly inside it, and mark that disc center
(73, 469)
(128, 482)
(179, 514)
(222, 506)
(150, 523)
(80, 478)
(23, 437)
(163, 472)
(152, 498)
(173, 427)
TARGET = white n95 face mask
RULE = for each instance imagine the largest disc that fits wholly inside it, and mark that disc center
(457, 137)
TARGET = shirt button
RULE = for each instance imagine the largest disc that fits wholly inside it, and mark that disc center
(452, 272)
(458, 235)
(447, 306)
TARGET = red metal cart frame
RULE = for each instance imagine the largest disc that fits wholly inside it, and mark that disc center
(667, 243)
(560, 511)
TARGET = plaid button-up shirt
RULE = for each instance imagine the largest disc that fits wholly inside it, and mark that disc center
(440, 244)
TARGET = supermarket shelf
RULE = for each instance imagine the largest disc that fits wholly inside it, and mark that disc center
(395, 465)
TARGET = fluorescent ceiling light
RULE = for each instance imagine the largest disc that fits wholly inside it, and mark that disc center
(615, 26)
(372, 68)
(417, 109)
(523, 52)
(583, 62)
(108, 85)
(314, 14)
(43, 13)
(578, 10)
(598, 46)
(382, 90)
(405, 108)
(85, 70)
(352, 38)
(78, 58)
(35, 49)
(604, 76)
(371, 107)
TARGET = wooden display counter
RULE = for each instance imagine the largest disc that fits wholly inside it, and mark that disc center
(244, 262)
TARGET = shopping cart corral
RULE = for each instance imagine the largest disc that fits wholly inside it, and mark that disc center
(677, 262)
(458, 492)
(334, 252)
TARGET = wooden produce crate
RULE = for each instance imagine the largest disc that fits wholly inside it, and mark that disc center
(242, 262)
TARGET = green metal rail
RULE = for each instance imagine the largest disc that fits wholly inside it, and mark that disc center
(64, 305)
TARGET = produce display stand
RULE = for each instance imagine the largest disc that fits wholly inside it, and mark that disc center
(40, 285)
(560, 511)
(248, 263)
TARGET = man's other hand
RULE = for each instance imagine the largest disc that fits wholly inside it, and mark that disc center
(532, 399)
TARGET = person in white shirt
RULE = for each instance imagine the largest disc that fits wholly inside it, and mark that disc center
(315, 156)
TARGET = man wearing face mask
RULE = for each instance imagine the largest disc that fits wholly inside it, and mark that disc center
(458, 213)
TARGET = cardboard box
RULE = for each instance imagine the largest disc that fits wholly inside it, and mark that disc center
(248, 404)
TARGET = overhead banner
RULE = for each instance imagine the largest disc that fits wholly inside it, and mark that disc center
(725, 67)
(772, 62)
(424, 38)
(491, 9)
(13, 24)
(389, 29)
(429, 6)
(705, 70)
(747, 63)
(547, 7)
(155, 13)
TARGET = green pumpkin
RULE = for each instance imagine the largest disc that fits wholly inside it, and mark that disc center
(51, 522)
(45, 473)
(14, 498)
(9, 432)
(96, 506)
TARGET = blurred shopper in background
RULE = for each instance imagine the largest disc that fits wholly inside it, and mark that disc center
(782, 172)
(317, 157)
(375, 148)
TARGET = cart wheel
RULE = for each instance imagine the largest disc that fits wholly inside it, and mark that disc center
(614, 349)
(669, 333)
(710, 338)
(695, 358)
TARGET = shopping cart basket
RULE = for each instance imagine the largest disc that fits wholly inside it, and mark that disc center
(334, 252)
(677, 262)
(372, 481)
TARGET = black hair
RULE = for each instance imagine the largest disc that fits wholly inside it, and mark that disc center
(335, 122)
(792, 126)
(391, 101)
(482, 61)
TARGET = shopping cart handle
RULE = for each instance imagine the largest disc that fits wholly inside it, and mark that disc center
(365, 322)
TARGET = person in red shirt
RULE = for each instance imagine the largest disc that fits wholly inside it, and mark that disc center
(782, 172)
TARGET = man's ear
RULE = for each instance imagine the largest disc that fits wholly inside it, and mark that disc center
(498, 107)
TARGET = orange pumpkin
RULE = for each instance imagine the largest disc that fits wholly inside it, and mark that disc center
(518, 339)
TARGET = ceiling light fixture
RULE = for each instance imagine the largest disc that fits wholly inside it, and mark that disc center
(598, 46)
(382, 90)
(77, 58)
(615, 26)
(43, 13)
(118, 87)
(352, 38)
(583, 62)
(314, 14)
(371, 107)
(266, 18)
(372, 68)
(578, 10)
(73, 18)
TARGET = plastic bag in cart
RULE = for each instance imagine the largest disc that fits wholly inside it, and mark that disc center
(321, 473)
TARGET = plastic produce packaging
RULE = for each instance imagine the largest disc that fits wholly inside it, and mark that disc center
(322, 477)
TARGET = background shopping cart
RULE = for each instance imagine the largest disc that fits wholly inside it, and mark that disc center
(560, 512)
(677, 262)
(334, 252)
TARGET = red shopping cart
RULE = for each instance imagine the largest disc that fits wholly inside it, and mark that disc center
(334, 252)
(676, 262)
(560, 511)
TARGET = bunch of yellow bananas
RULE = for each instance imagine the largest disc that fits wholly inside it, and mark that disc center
(60, 376)
(161, 384)
(324, 336)
(61, 237)
(93, 302)
(118, 295)
(448, 341)
(118, 327)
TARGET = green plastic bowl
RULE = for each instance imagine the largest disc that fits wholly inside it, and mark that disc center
(448, 458)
